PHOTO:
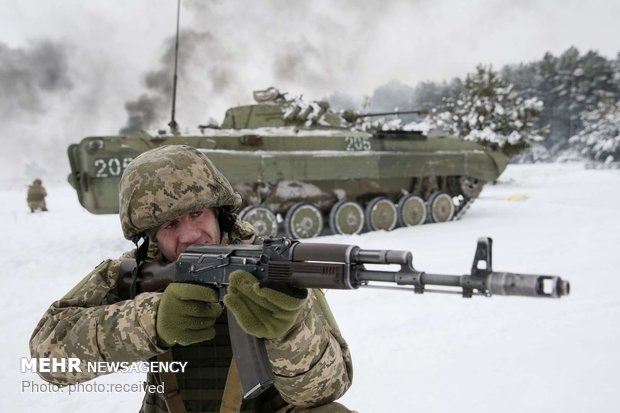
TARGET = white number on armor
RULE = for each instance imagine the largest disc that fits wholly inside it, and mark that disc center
(357, 143)
(106, 168)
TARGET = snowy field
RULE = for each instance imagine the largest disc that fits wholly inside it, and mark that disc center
(423, 353)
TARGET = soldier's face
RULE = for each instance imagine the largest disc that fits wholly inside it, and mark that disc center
(200, 227)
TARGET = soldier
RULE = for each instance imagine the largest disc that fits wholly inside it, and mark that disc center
(172, 197)
(36, 196)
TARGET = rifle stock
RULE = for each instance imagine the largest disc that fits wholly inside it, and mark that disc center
(328, 266)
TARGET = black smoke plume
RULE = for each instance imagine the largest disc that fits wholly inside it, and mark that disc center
(28, 75)
(199, 53)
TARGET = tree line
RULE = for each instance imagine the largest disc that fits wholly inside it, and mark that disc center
(543, 109)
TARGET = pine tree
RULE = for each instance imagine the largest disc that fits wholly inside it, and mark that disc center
(524, 77)
(600, 137)
(487, 110)
(569, 85)
(429, 95)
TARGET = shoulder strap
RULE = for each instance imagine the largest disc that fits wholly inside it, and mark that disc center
(172, 394)
(232, 396)
(142, 244)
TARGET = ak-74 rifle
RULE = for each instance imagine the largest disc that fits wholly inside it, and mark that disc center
(327, 266)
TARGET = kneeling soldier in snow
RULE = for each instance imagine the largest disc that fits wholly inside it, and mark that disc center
(36, 196)
(170, 198)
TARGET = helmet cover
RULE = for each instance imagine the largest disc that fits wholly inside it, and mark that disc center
(168, 182)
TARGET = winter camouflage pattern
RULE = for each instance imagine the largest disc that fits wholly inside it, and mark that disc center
(92, 324)
(312, 363)
(168, 182)
(243, 234)
(305, 364)
(332, 407)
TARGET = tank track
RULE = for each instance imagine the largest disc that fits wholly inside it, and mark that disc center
(302, 210)
(462, 209)
(280, 223)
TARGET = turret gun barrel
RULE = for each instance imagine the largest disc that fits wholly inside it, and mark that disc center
(351, 116)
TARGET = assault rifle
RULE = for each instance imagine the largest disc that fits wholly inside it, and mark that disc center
(314, 265)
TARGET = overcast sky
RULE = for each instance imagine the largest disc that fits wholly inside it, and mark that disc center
(99, 52)
(411, 40)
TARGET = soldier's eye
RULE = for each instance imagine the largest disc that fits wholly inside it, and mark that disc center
(195, 214)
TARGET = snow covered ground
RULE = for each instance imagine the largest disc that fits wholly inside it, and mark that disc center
(424, 353)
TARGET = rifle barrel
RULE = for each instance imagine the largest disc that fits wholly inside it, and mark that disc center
(494, 283)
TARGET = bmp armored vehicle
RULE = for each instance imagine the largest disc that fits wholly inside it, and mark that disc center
(303, 169)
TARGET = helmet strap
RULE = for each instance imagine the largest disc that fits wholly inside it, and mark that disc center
(142, 244)
(226, 219)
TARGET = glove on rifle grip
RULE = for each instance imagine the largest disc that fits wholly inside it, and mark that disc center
(187, 314)
(284, 288)
(262, 310)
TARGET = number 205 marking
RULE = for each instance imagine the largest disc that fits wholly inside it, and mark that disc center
(105, 168)
(357, 143)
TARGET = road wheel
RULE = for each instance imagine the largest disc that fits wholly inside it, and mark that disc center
(411, 210)
(380, 214)
(262, 219)
(441, 208)
(303, 221)
(346, 217)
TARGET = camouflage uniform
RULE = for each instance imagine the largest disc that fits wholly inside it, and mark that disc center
(36, 196)
(94, 322)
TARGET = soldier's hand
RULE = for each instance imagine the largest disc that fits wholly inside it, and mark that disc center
(186, 314)
(266, 310)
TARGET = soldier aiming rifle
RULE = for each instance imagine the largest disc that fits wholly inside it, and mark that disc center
(274, 344)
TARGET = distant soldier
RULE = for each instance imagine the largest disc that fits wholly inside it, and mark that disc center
(36, 196)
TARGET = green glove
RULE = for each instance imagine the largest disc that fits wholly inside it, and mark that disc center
(266, 310)
(186, 314)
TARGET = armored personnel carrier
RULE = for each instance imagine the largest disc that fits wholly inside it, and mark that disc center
(303, 169)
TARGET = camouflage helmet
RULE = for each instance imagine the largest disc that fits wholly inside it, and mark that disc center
(167, 182)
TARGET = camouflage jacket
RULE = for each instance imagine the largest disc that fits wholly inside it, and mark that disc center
(311, 363)
(36, 193)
